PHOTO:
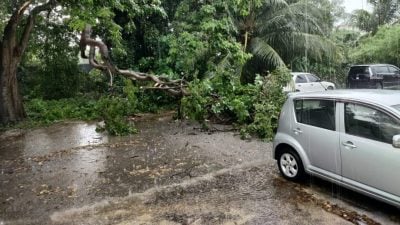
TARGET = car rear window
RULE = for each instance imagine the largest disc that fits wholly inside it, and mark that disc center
(315, 112)
(359, 70)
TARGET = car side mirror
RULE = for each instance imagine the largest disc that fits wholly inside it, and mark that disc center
(396, 141)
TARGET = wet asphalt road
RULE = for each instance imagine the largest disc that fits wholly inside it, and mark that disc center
(169, 173)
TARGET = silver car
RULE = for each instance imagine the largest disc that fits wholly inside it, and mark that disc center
(349, 137)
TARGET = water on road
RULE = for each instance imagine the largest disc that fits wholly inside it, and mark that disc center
(170, 173)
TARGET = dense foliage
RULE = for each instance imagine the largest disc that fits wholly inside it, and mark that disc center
(382, 47)
(235, 54)
(113, 109)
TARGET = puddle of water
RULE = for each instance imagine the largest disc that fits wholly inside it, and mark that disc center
(44, 141)
(47, 140)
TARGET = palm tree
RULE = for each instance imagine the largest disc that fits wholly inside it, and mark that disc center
(279, 31)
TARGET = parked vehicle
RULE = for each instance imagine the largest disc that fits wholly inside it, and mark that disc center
(349, 137)
(307, 82)
(373, 76)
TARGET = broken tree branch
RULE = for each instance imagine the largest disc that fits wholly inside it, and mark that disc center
(174, 87)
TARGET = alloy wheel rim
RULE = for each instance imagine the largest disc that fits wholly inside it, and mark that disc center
(289, 165)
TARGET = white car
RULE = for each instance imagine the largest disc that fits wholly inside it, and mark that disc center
(307, 82)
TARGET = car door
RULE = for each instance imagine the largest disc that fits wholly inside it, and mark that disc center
(387, 77)
(301, 83)
(396, 76)
(368, 158)
(315, 130)
(315, 83)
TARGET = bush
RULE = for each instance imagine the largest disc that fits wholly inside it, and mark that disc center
(254, 107)
(268, 103)
(114, 110)
(50, 111)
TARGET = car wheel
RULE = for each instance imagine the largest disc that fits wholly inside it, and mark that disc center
(330, 88)
(379, 85)
(290, 165)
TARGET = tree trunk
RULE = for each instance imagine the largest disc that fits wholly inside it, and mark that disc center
(13, 47)
(11, 107)
(246, 39)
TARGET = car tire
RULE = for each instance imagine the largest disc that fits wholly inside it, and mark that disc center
(290, 165)
(330, 88)
(379, 85)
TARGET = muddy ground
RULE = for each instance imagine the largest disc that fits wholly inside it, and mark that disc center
(171, 172)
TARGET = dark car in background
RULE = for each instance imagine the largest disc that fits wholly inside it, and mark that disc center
(377, 76)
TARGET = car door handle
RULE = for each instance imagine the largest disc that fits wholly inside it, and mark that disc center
(297, 131)
(349, 144)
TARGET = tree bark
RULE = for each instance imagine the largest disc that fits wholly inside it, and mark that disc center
(11, 107)
(12, 49)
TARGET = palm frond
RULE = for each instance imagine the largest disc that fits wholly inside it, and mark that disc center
(261, 49)
(297, 17)
(313, 45)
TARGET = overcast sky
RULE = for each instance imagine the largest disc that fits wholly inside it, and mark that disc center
(356, 4)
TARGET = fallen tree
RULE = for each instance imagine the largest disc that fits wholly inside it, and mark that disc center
(175, 87)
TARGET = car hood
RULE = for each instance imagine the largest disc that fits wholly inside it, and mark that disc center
(326, 83)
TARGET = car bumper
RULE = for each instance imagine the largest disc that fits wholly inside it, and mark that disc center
(363, 83)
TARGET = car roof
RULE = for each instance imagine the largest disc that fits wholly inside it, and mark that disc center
(380, 97)
(298, 73)
(371, 65)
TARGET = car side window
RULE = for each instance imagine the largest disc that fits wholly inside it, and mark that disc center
(393, 69)
(301, 79)
(314, 112)
(381, 69)
(312, 78)
(366, 122)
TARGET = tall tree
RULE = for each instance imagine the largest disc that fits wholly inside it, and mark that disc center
(364, 20)
(384, 12)
(13, 45)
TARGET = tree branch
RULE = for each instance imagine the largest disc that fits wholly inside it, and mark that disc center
(23, 7)
(174, 87)
(92, 60)
(10, 31)
(159, 88)
(23, 43)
